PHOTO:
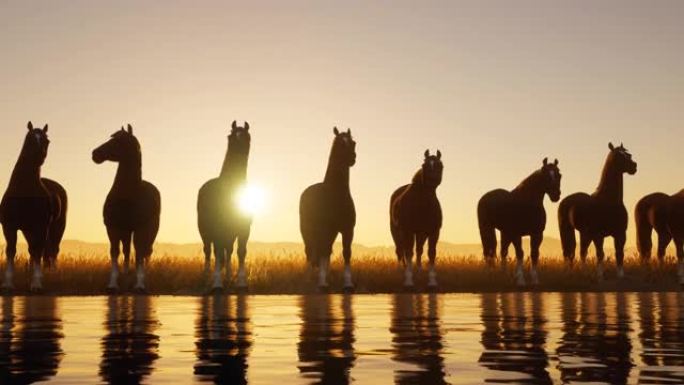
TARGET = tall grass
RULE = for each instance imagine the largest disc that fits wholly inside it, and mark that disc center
(271, 273)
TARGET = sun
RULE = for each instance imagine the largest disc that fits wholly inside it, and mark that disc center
(251, 200)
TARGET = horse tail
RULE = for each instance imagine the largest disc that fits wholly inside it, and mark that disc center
(59, 203)
(394, 223)
(567, 231)
(644, 227)
(487, 230)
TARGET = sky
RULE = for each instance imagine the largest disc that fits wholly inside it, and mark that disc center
(495, 85)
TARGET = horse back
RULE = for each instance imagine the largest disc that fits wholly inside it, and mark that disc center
(58, 199)
(512, 214)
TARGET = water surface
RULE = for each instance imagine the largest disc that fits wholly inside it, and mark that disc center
(511, 338)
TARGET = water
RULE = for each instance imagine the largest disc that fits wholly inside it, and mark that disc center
(512, 338)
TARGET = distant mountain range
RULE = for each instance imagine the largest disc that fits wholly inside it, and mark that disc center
(550, 247)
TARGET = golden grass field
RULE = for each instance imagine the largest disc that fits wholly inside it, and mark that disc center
(287, 273)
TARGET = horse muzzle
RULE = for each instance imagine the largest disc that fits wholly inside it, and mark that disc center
(98, 158)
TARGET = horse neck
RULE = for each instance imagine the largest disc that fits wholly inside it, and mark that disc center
(611, 185)
(337, 174)
(128, 176)
(531, 188)
(26, 173)
(417, 184)
(234, 167)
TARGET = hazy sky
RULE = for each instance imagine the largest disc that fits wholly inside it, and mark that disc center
(495, 85)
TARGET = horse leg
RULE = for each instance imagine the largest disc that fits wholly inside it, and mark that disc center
(433, 238)
(142, 241)
(219, 258)
(206, 248)
(535, 242)
(585, 241)
(664, 238)
(420, 244)
(598, 244)
(409, 239)
(505, 244)
(126, 246)
(242, 255)
(519, 259)
(36, 243)
(347, 238)
(11, 252)
(619, 241)
(325, 250)
(114, 241)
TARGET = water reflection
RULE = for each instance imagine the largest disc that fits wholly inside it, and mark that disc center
(661, 317)
(417, 339)
(326, 339)
(595, 346)
(224, 338)
(514, 338)
(30, 341)
(130, 347)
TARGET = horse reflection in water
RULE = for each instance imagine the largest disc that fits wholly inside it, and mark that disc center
(224, 338)
(326, 345)
(514, 337)
(30, 341)
(661, 318)
(417, 338)
(130, 347)
(595, 346)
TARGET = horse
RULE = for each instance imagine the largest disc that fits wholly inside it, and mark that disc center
(219, 219)
(518, 213)
(35, 206)
(416, 216)
(665, 214)
(600, 214)
(132, 207)
(327, 208)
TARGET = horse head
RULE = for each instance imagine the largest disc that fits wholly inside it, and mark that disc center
(621, 159)
(552, 178)
(239, 138)
(36, 143)
(432, 169)
(121, 146)
(344, 147)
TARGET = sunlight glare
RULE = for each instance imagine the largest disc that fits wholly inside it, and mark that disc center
(251, 200)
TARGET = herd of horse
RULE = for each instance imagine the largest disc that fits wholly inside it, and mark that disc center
(37, 207)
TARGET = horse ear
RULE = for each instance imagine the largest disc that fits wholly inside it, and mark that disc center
(622, 146)
(555, 162)
(246, 126)
(122, 128)
(439, 155)
(234, 125)
(610, 145)
(545, 161)
(130, 129)
(45, 128)
(427, 153)
(336, 131)
(348, 130)
(29, 126)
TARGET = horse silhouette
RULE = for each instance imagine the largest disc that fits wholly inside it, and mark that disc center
(518, 213)
(35, 206)
(665, 214)
(326, 209)
(219, 219)
(416, 216)
(132, 207)
(600, 214)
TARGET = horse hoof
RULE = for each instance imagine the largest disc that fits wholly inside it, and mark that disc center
(37, 290)
(140, 291)
(216, 291)
(432, 288)
(7, 290)
(409, 289)
(349, 290)
(242, 290)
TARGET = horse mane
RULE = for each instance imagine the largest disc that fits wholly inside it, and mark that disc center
(334, 170)
(529, 182)
(418, 177)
